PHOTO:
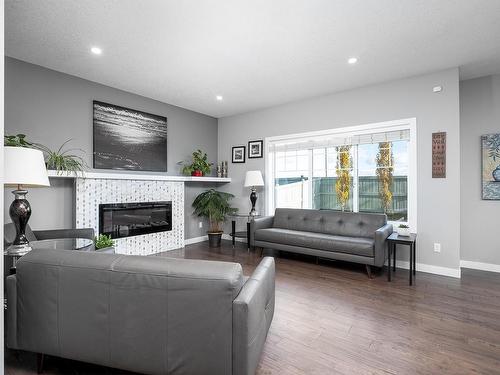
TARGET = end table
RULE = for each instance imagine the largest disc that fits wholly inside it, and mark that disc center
(241, 234)
(411, 240)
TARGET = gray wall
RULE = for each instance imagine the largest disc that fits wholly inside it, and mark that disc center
(479, 114)
(52, 107)
(438, 199)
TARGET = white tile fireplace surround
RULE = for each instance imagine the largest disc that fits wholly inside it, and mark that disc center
(90, 192)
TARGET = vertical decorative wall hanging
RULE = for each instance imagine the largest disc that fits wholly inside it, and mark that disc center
(490, 150)
(439, 155)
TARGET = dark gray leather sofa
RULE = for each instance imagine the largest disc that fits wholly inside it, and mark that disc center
(348, 236)
(151, 315)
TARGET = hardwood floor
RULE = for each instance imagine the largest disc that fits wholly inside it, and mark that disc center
(331, 319)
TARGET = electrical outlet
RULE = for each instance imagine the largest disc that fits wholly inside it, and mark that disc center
(437, 247)
(200, 224)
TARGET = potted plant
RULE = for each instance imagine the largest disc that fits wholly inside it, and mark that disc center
(403, 230)
(104, 244)
(63, 160)
(215, 206)
(199, 165)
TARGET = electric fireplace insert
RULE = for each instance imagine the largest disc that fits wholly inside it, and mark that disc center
(132, 219)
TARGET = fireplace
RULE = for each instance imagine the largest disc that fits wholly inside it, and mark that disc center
(132, 219)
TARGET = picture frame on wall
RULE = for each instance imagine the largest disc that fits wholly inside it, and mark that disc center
(238, 154)
(255, 149)
(128, 139)
(490, 153)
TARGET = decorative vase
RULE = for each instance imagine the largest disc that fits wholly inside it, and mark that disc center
(197, 173)
(496, 173)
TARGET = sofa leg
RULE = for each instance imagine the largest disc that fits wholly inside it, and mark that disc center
(369, 271)
(39, 363)
(317, 260)
(261, 251)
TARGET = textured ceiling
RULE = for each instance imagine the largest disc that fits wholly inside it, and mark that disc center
(255, 53)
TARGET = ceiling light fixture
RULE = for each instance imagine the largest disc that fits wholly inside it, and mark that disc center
(352, 60)
(219, 98)
(96, 50)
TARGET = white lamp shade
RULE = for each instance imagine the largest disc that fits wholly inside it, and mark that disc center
(254, 178)
(24, 166)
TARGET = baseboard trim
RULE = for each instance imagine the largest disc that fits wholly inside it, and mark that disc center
(490, 267)
(189, 241)
(428, 268)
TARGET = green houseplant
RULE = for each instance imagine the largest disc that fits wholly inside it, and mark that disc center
(18, 140)
(199, 165)
(103, 241)
(215, 206)
(63, 160)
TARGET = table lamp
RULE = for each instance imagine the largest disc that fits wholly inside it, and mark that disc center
(253, 179)
(24, 167)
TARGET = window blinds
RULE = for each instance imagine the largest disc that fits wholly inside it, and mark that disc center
(334, 140)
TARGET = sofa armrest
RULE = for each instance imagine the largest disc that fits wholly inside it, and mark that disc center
(64, 233)
(260, 223)
(381, 235)
(253, 311)
(11, 321)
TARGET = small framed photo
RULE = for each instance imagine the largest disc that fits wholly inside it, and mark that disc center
(239, 154)
(255, 149)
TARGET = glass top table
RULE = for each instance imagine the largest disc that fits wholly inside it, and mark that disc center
(241, 234)
(82, 244)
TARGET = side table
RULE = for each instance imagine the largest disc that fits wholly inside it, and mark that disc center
(241, 234)
(411, 240)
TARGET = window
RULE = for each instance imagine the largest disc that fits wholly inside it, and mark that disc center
(360, 169)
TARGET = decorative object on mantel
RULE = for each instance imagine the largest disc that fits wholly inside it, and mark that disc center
(199, 165)
(224, 169)
(439, 155)
(215, 206)
(490, 145)
(238, 153)
(403, 230)
(23, 167)
(129, 139)
(253, 179)
(255, 149)
(103, 241)
(61, 160)
(219, 170)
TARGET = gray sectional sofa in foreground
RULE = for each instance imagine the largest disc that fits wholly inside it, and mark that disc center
(347, 236)
(151, 315)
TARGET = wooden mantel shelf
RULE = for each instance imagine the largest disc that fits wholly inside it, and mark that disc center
(113, 175)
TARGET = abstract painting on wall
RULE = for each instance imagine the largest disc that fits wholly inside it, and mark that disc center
(490, 145)
(128, 139)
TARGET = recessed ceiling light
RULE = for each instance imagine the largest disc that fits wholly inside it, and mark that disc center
(96, 50)
(219, 98)
(352, 60)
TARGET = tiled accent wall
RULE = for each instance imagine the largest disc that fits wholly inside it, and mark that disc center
(91, 192)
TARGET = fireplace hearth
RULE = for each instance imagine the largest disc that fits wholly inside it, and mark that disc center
(132, 219)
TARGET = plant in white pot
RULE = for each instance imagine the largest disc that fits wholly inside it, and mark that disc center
(215, 206)
(403, 230)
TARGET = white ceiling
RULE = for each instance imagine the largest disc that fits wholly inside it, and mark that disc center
(256, 53)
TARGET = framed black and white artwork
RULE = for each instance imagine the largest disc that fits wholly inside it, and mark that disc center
(255, 149)
(128, 139)
(238, 154)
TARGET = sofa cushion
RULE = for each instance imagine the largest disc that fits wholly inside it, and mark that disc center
(345, 244)
(352, 224)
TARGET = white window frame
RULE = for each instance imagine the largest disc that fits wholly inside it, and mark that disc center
(386, 126)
